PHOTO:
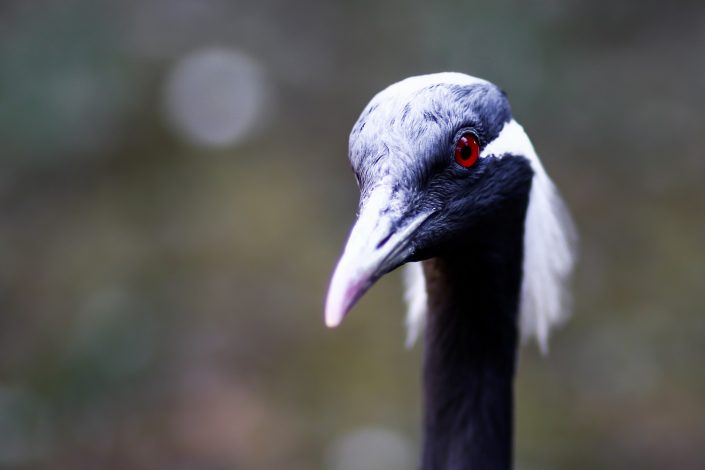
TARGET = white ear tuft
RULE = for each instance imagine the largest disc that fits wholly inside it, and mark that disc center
(550, 242)
(549, 257)
(416, 301)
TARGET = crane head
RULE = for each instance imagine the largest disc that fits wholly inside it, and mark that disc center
(434, 156)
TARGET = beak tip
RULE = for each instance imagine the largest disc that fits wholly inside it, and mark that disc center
(335, 311)
(332, 322)
(341, 295)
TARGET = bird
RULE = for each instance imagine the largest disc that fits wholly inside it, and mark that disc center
(452, 188)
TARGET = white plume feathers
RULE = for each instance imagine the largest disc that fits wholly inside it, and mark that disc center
(416, 301)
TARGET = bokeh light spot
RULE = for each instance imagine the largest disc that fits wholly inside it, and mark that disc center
(215, 97)
(371, 448)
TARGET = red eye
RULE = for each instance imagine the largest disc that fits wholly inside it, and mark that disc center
(467, 150)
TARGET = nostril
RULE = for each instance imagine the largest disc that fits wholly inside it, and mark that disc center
(384, 240)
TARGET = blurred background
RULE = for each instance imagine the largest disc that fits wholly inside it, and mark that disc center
(174, 192)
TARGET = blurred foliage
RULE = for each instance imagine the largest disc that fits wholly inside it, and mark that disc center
(160, 301)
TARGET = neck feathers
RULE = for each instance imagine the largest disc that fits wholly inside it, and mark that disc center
(470, 354)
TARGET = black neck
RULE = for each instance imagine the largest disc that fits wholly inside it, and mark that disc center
(471, 347)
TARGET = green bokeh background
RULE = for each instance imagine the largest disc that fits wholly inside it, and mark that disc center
(161, 300)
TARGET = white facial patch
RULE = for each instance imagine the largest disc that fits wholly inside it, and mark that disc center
(549, 251)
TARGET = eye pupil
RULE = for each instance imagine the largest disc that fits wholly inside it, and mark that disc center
(467, 150)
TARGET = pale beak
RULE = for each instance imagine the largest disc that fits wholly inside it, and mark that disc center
(378, 243)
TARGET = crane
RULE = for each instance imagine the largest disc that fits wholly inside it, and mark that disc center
(451, 187)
